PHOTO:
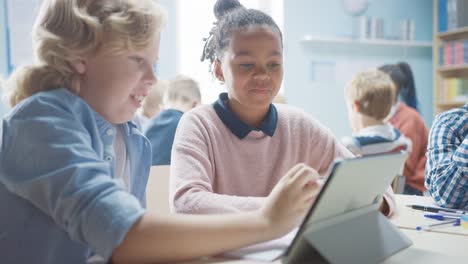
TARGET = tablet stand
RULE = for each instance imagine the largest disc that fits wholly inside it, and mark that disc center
(361, 236)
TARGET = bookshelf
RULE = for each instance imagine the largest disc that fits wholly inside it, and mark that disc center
(454, 34)
(368, 42)
(450, 66)
(383, 45)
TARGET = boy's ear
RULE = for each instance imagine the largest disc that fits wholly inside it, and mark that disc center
(218, 71)
(79, 65)
(356, 107)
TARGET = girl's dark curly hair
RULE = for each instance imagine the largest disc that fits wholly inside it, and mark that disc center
(231, 15)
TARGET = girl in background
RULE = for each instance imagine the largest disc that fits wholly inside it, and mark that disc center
(405, 117)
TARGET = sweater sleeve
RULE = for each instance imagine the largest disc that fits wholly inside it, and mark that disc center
(192, 174)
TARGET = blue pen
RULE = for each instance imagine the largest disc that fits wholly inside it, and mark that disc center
(440, 217)
(455, 222)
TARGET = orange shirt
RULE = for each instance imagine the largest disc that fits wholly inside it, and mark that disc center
(411, 124)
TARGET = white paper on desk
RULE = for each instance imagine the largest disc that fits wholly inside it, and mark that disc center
(266, 251)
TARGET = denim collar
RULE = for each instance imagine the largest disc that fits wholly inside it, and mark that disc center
(237, 126)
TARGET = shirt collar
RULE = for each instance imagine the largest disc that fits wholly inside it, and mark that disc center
(237, 126)
(383, 131)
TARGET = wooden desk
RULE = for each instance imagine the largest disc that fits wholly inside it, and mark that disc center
(427, 248)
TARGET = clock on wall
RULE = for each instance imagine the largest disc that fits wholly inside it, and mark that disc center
(355, 7)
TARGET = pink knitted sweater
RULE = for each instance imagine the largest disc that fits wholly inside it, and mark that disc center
(213, 171)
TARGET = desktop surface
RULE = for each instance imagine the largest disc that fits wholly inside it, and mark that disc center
(428, 247)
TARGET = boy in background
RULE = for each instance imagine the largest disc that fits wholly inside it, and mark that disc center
(152, 105)
(182, 94)
(369, 97)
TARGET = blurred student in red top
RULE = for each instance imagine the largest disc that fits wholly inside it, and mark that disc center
(406, 118)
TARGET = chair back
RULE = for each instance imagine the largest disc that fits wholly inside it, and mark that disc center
(157, 190)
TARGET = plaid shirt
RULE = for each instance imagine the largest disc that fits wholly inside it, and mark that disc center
(447, 159)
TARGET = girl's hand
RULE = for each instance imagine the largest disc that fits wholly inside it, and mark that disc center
(291, 198)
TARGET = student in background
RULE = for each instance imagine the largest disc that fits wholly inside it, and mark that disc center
(369, 98)
(447, 159)
(73, 168)
(402, 75)
(182, 95)
(152, 105)
(405, 117)
(227, 156)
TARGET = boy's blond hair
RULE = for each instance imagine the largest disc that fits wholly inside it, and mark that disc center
(182, 89)
(373, 91)
(68, 30)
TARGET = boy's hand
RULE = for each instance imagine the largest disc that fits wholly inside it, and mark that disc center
(291, 198)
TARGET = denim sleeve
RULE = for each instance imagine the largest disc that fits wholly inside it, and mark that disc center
(47, 158)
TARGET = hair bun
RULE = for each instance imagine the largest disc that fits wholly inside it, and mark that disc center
(222, 7)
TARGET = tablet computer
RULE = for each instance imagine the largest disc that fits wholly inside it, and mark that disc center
(344, 224)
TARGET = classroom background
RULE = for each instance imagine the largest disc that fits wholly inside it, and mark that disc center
(325, 43)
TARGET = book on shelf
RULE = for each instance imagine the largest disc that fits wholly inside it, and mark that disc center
(453, 90)
(442, 15)
(454, 52)
(452, 14)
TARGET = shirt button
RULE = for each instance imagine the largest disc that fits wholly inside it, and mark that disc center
(108, 158)
(110, 132)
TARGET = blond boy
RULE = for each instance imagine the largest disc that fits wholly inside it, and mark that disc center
(182, 95)
(369, 97)
(152, 105)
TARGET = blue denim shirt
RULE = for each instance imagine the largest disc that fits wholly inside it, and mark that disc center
(58, 199)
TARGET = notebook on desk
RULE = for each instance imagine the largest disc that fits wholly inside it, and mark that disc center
(344, 213)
